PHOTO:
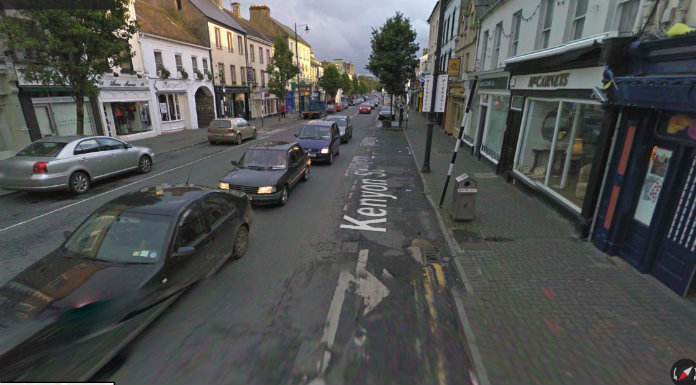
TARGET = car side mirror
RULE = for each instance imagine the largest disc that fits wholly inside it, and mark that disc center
(184, 252)
(66, 234)
(295, 135)
(128, 145)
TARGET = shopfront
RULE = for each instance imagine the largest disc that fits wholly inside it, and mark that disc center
(647, 213)
(486, 124)
(233, 101)
(456, 100)
(127, 108)
(262, 104)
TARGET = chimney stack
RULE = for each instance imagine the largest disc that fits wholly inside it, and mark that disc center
(236, 9)
(217, 2)
(260, 15)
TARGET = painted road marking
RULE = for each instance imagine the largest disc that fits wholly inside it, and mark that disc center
(116, 189)
(372, 200)
(331, 325)
(432, 322)
(368, 141)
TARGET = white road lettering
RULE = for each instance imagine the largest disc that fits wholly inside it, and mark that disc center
(372, 195)
(363, 225)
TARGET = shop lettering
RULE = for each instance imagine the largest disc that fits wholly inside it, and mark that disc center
(373, 196)
(116, 83)
(559, 80)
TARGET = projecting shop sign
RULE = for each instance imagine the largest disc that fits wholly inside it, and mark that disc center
(427, 93)
(441, 94)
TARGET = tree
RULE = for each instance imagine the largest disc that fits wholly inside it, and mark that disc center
(331, 81)
(393, 55)
(346, 84)
(355, 85)
(280, 69)
(71, 47)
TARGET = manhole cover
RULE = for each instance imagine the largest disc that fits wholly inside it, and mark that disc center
(498, 239)
(484, 175)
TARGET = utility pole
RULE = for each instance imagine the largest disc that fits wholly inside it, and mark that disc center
(436, 72)
(297, 59)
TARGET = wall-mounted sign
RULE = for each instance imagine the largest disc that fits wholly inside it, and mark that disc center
(427, 93)
(112, 82)
(499, 83)
(680, 127)
(441, 93)
(453, 66)
(170, 85)
(581, 78)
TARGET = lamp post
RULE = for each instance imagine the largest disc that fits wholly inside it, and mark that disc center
(297, 59)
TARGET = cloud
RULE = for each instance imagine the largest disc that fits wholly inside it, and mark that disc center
(342, 29)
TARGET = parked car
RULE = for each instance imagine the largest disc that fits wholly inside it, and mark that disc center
(230, 130)
(344, 106)
(321, 139)
(268, 171)
(365, 108)
(386, 112)
(375, 103)
(339, 107)
(345, 126)
(330, 108)
(71, 163)
(70, 312)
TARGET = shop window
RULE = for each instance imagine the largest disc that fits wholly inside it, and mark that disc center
(557, 151)
(469, 134)
(492, 143)
(65, 119)
(131, 118)
(169, 107)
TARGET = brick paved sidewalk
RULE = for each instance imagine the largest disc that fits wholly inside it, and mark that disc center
(543, 306)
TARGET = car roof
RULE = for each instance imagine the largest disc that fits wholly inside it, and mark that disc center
(160, 199)
(319, 123)
(336, 117)
(66, 139)
(274, 145)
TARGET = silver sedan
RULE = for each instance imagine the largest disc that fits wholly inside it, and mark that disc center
(72, 163)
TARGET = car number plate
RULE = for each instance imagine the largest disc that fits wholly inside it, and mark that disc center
(312, 155)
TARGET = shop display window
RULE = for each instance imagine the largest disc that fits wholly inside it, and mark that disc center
(131, 118)
(557, 151)
(495, 128)
(65, 119)
(169, 107)
(469, 134)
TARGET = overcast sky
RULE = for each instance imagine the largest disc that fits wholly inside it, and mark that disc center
(342, 28)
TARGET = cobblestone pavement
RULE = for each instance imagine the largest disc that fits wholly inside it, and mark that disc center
(542, 306)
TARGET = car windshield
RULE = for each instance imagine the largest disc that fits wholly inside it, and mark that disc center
(364, 105)
(315, 132)
(384, 109)
(42, 149)
(264, 159)
(114, 235)
(221, 124)
(341, 122)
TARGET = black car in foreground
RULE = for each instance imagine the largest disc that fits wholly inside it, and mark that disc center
(68, 314)
(268, 171)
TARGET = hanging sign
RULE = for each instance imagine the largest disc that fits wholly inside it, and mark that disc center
(453, 66)
(441, 93)
(427, 93)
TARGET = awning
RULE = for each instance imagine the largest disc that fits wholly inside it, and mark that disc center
(659, 92)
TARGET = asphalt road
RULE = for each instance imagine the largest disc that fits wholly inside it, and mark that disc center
(344, 285)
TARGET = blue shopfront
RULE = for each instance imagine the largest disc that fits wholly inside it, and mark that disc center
(647, 212)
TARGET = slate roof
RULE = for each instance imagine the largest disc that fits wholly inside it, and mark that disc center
(156, 21)
(291, 32)
(211, 11)
(251, 29)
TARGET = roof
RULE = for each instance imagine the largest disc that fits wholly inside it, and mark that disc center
(320, 123)
(160, 199)
(274, 145)
(212, 11)
(251, 29)
(156, 21)
(290, 32)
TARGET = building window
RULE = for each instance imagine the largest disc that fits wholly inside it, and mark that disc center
(627, 11)
(557, 152)
(240, 45)
(169, 107)
(221, 73)
(496, 44)
(578, 22)
(233, 75)
(242, 75)
(251, 52)
(194, 64)
(515, 33)
(218, 42)
(454, 24)
(158, 62)
(545, 25)
(178, 5)
(131, 118)
(268, 55)
(484, 48)
(466, 62)
(205, 65)
(254, 78)
(230, 46)
(260, 55)
(179, 65)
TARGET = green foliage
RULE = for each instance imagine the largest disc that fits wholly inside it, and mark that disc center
(346, 84)
(199, 74)
(355, 85)
(280, 68)
(163, 72)
(71, 46)
(331, 81)
(184, 74)
(393, 56)
(209, 75)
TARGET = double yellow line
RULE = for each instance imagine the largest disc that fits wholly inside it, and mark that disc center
(434, 270)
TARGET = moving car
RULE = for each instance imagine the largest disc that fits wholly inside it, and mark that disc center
(73, 310)
(339, 107)
(321, 139)
(345, 126)
(230, 130)
(315, 109)
(386, 112)
(330, 108)
(365, 108)
(268, 171)
(71, 163)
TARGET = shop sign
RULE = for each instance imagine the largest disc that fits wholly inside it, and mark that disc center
(441, 94)
(681, 127)
(427, 93)
(458, 92)
(121, 83)
(499, 83)
(170, 86)
(453, 66)
(582, 78)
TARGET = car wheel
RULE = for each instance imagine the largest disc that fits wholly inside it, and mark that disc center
(283, 196)
(305, 175)
(79, 182)
(239, 139)
(331, 158)
(254, 135)
(144, 164)
(241, 242)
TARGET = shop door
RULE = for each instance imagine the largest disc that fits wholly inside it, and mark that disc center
(675, 257)
(507, 158)
(479, 131)
(644, 221)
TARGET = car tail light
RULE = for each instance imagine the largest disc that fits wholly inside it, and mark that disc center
(230, 130)
(40, 167)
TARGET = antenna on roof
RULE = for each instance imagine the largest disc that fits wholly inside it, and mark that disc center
(189, 175)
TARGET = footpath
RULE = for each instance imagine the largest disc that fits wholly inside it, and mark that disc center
(537, 304)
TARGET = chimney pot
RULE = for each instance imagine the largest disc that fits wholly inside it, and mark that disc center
(236, 9)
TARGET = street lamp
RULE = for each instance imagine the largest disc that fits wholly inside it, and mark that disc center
(297, 59)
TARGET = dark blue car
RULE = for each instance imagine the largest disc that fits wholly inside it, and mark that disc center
(321, 139)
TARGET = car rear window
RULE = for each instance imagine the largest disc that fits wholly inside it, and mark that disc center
(221, 124)
(42, 149)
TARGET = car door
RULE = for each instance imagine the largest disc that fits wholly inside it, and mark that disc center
(243, 126)
(192, 231)
(222, 219)
(335, 138)
(295, 166)
(89, 155)
(117, 156)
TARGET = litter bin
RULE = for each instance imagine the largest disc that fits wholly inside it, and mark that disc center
(464, 198)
